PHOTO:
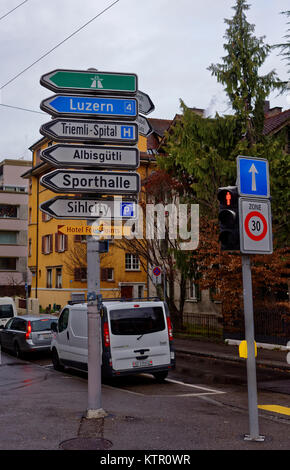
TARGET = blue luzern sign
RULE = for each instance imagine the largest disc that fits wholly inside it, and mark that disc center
(91, 106)
(253, 177)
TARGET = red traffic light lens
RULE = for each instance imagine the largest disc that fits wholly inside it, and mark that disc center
(228, 198)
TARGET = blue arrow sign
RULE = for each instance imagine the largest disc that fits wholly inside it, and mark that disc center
(253, 177)
(91, 106)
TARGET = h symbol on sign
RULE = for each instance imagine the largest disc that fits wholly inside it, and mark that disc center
(127, 132)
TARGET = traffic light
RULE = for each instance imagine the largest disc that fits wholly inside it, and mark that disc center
(229, 218)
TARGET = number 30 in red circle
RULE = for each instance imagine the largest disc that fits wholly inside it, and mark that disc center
(265, 226)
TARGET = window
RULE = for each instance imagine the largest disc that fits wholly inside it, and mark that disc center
(58, 278)
(140, 292)
(46, 244)
(41, 325)
(80, 274)
(45, 217)
(60, 242)
(8, 211)
(63, 320)
(8, 324)
(8, 264)
(49, 278)
(18, 324)
(107, 274)
(29, 247)
(6, 311)
(8, 238)
(131, 262)
(137, 321)
(80, 238)
(194, 291)
(19, 189)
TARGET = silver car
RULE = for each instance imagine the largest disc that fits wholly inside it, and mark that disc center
(29, 333)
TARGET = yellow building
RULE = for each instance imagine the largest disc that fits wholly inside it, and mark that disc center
(55, 259)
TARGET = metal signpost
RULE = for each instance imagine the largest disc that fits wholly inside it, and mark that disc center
(144, 126)
(90, 81)
(94, 156)
(102, 116)
(91, 106)
(144, 101)
(156, 271)
(87, 181)
(255, 238)
(70, 207)
(84, 130)
(255, 226)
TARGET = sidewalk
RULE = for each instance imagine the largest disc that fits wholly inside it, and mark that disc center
(267, 355)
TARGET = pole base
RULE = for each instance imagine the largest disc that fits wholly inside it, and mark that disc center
(256, 439)
(100, 413)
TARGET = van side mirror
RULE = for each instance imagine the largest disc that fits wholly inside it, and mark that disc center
(53, 326)
(1, 327)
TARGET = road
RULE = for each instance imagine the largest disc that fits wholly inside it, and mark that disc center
(202, 405)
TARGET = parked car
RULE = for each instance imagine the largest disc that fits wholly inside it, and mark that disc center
(27, 333)
(136, 337)
(7, 310)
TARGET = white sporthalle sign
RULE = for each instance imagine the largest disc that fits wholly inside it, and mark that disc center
(82, 181)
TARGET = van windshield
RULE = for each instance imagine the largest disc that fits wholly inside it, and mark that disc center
(6, 311)
(137, 321)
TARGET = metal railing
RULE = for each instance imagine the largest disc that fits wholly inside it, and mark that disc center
(272, 327)
(202, 325)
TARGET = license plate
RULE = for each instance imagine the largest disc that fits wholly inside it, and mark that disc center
(142, 363)
(45, 336)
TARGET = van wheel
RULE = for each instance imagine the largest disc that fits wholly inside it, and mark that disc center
(161, 376)
(55, 361)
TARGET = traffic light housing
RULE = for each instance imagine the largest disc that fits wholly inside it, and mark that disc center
(229, 218)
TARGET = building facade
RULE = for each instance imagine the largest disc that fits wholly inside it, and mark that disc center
(14, 273)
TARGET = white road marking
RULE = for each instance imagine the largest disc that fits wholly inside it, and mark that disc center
(202, 391)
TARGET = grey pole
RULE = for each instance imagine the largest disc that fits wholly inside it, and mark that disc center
(95, 409)
(251, 360)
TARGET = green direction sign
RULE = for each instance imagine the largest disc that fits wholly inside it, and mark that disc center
(90, 81)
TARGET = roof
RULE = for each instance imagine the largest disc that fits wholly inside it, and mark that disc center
(159, 126)
(15, 162)
(274, 123)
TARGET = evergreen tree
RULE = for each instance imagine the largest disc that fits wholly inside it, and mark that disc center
(285, 48)
(239, 73)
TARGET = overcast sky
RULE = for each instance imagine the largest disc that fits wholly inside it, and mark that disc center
(168, 44)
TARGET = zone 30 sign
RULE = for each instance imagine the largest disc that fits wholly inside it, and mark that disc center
(256, 226)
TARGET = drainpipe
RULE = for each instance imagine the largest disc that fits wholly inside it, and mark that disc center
(37, 230)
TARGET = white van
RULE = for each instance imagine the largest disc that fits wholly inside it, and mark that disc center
(136, 337)
(7, 310)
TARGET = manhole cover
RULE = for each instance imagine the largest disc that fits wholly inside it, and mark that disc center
(86, 443)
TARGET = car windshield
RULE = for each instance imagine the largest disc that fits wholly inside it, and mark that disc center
(6, 311)
(137, 321)
(41, 325)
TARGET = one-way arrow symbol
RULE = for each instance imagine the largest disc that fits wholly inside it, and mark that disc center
(254, 171)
